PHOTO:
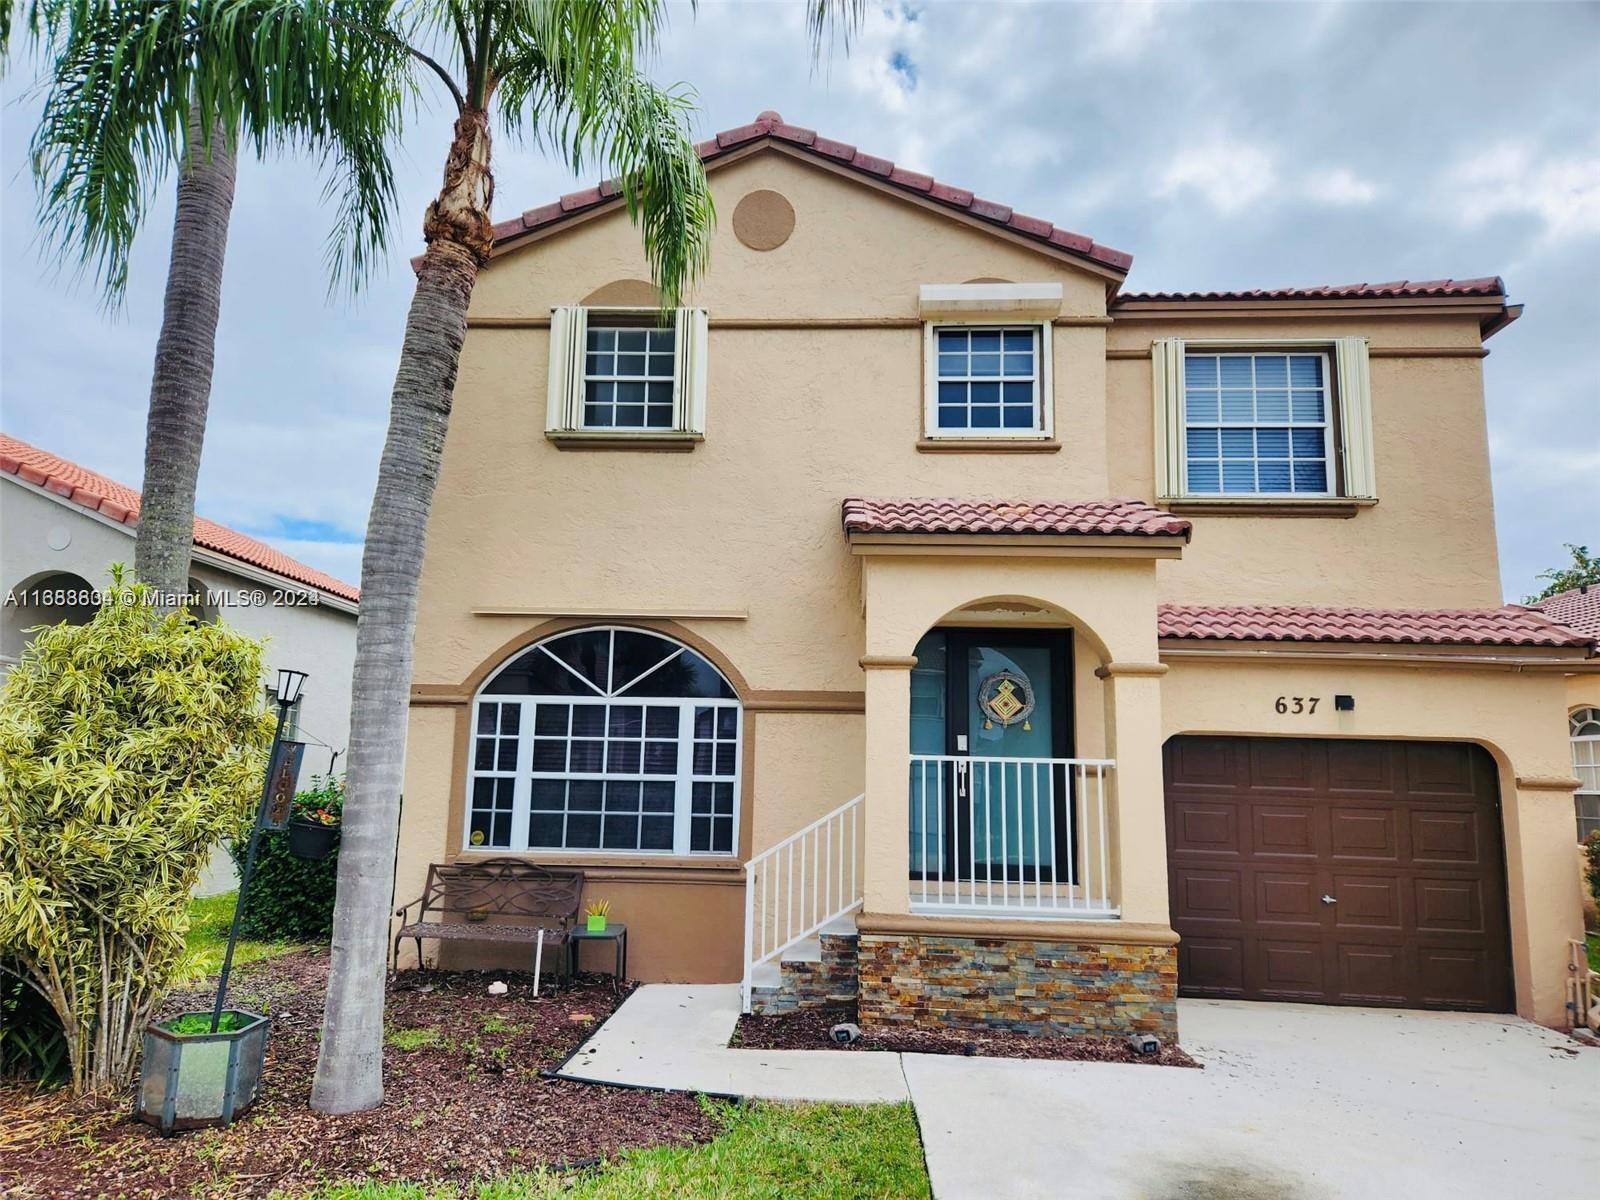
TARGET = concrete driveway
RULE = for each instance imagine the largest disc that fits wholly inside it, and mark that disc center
(1296, 1102)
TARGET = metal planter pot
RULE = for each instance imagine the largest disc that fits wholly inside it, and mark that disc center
(312, 839)
(191, 1080)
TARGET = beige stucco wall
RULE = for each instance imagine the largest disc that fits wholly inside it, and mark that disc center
(800, 415)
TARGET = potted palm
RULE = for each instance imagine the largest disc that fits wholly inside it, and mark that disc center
(315, 818)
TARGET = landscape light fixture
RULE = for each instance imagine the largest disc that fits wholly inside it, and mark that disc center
(289, 683)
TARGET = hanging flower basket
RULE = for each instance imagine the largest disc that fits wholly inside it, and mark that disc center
(192, 1077)
(312, 839)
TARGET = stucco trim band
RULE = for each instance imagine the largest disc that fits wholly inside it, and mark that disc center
(988, 446)
(580, 613)
(1017, 545)
(1131, 668)
(1546, 783)
(1333, 506)
(888, 662)
(1113, 933)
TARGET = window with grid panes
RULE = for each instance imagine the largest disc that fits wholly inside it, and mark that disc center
(621, 740)
(988, 380)
(1257, 424)
(1586, 766)
(627, 378)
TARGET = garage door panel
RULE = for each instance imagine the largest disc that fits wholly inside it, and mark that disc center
(1290, 969)
(1278, 830)
(1212, 966)
(1403, 837)
(1439, 835)
(1286, 899)
(1367, 902)
(1458, 978)
(1371, 973)
(1285, 765)
(1364, 833)
(1206, 827)
(1209, 895)
(1449, 905)
(1360, 768)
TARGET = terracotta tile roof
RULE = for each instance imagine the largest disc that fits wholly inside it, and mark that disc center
(1119, 517)
(771, 125)
(1512, 625)
(1402, 289)
(121, 503)
(1578, 609)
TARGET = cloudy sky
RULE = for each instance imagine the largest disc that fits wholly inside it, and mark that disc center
(1223, 145)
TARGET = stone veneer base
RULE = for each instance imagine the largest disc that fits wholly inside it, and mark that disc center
(1024, 984)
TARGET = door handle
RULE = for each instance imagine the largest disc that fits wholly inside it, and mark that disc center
(1329, 900)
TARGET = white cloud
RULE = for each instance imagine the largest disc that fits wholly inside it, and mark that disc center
(1117, 32)
(1509, 179)
(1340, 186)
(1230, 175)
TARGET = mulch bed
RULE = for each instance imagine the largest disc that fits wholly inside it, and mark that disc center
(470, 1104)
(807, 1029)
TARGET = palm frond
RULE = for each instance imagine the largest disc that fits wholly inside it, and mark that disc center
(830, 20)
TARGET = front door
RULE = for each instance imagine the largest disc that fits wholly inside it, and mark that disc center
(991, 709)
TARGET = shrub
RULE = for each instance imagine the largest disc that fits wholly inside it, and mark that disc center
(1591, 850)
(290, 897)
(32, 1045)
(128, 747)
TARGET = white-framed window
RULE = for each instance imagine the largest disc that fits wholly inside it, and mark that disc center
(1585, 725)
(611, 740)
(1272, 420)
(623, 373)
(987, 381)
(628, 377)
(1257, 424)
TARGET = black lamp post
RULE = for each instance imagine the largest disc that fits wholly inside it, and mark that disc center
(283, 761)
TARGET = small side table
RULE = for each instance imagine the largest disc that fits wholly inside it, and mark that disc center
(615, 932)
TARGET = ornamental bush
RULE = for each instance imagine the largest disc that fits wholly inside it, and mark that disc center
(290, 897)
(1591, 849)
(128, 747)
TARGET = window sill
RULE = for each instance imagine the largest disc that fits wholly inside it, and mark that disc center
(729, 863)
(679, 443)
(1342, 507)
(977, 445)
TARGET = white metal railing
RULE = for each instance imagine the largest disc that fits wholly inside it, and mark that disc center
(795, 887)
(1025, 835)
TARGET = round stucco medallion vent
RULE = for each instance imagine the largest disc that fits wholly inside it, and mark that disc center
(763, 220)
(59, 538)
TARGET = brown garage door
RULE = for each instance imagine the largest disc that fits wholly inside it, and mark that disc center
(1338, 872)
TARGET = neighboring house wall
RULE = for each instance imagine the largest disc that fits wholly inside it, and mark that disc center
(315, 638)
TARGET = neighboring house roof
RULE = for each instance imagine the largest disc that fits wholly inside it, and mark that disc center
(864, 514)
(119, 502)
(1512, 625)
(1577, 609)
(1404, 289)
(770, 125)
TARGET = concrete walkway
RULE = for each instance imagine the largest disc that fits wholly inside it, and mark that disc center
(676, 1036)
(1296, 1102)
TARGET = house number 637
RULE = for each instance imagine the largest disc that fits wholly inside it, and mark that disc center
(1296, 704)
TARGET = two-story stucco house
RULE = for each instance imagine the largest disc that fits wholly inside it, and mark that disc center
(1050, 650)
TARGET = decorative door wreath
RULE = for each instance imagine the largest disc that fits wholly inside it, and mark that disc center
(1006, 697)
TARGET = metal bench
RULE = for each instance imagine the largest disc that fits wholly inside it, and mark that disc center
(496, 900)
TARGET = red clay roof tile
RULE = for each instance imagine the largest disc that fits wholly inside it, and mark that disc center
(866, 514)
(120, 503)
(1488, 286)
(1576, 609)
(1512, 625)
(771, 124)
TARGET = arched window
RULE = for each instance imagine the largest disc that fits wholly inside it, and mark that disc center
(605, 739)
(1586, 766)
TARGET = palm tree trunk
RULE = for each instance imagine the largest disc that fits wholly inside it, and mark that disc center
(350, 1063)
(180, 388)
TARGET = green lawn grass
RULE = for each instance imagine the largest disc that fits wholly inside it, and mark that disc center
(765, 1152)
(1594, 951)
(209, 917)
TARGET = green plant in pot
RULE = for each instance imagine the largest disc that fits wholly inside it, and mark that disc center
(314, 820)
(595, 915)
